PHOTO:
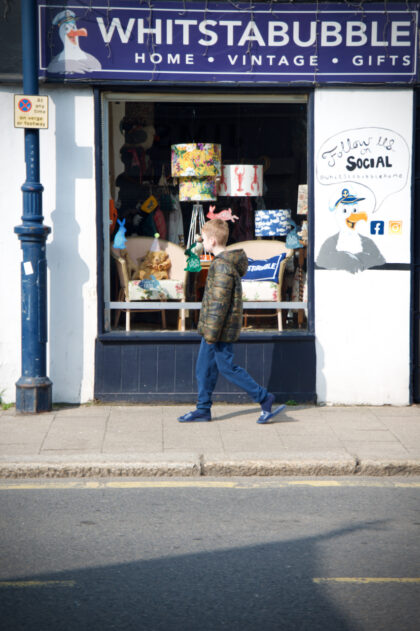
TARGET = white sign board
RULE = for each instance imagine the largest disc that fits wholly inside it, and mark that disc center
(31, 111)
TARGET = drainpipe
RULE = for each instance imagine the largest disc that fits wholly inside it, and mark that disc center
(33, 389)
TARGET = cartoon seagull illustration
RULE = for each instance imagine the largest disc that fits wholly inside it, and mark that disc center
(72, 59)
(347, 249)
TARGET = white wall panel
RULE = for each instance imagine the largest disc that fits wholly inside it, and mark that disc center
(362, 315)
(69, 207)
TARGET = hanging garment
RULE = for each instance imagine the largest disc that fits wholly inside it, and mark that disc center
(243, 230)
(176, 225)
(113, 216)
(160, 222)
(138, 160)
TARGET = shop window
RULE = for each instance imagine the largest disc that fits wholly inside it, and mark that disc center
(265, 141)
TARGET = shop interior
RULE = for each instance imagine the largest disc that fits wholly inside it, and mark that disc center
(146, 199)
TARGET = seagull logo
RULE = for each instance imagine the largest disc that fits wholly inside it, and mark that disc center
(349, 249)
(72, 59)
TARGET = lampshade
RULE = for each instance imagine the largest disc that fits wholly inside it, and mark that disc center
(241, 180)
(272, 223)
(193, 189)
(302, 204)
(196, 159)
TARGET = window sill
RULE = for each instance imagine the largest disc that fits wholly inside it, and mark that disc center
(192, 336)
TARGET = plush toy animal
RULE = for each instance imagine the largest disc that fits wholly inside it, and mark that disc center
(120, 238)
(226, 214)
(154, 264)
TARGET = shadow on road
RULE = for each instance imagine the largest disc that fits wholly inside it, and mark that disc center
(262, 587)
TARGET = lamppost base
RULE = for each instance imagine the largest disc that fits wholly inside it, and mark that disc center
(33, 395)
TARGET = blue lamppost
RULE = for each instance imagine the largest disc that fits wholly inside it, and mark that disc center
(33, 389)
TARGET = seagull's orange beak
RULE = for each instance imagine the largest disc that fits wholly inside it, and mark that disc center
(81, 32)
(354, 218)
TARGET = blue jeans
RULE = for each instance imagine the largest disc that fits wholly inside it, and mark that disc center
(218, 358)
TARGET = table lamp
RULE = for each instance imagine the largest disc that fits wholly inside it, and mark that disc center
(198, 167)
(241, 180)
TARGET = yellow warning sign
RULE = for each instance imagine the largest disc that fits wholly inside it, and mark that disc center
(31, 111)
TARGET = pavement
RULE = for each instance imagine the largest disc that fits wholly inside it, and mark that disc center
(96, 440)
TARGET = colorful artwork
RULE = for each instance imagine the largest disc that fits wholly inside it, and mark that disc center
(241, 180)
(202, 189)
(302, 203)
(196, 160)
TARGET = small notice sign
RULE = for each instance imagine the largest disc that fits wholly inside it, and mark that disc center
(31, 111)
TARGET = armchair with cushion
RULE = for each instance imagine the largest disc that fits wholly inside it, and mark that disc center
(133, 290)
(263, 290)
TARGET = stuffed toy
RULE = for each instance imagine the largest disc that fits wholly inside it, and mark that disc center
(292, 240)
(193, 254)
(226, 214)
(154, 264)
(198, 247)
(120, 238)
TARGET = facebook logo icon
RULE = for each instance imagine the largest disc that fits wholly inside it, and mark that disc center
(377, 227)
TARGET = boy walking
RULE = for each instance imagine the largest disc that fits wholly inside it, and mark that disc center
(220, 324)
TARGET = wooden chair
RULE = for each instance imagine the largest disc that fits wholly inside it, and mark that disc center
(174, 288)
(256, 291)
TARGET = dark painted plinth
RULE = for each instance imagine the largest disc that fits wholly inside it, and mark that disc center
(33, 395)
(130, 368)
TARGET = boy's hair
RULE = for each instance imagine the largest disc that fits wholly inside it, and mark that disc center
(218, 230)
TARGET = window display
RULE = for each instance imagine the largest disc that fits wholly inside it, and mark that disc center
(174, 165)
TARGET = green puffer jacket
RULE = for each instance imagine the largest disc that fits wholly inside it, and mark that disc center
(221, 309)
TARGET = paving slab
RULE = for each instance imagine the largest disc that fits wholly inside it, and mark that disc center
(404, 412)
(75, 432)
(302, 428)
(364, 435)
(81, 410)
(310, 444)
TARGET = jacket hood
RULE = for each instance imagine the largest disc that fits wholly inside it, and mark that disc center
(238, 259)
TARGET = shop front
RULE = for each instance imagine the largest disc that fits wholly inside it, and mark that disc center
(256, 144)
(295, 126)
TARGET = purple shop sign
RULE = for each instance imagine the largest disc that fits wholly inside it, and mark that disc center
(239, 43)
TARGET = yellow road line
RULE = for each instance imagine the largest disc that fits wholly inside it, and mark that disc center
(366, 579)
(120, 484)
(31, 584)
(47, 484)
(138, 484)
(315, 483)
(241, 484)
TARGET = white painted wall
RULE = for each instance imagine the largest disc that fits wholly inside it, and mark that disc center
(69, 206)
(362, 320)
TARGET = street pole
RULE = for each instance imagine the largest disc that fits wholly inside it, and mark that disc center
(33, 389)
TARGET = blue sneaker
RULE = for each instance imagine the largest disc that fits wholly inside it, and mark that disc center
(266, 412)
(196, 416)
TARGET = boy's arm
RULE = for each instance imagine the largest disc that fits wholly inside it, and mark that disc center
(219, 301)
